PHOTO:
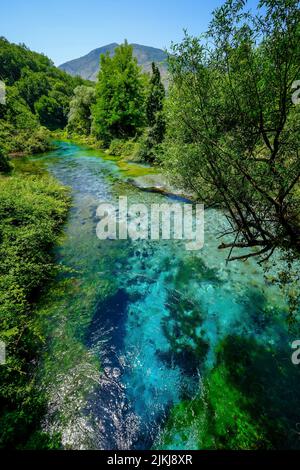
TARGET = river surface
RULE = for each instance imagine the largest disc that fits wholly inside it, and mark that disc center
(133, 325)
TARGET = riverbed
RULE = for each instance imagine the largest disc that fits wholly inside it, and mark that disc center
(133, 326)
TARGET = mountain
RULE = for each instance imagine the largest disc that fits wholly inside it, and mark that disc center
(87, 66)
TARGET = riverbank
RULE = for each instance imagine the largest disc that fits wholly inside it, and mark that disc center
(33, 209)
(142, 175)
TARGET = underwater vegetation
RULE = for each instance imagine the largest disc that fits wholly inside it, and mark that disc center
(249, 400)
(182, 328)
(146, 345)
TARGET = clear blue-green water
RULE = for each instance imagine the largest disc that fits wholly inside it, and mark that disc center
(133, 326)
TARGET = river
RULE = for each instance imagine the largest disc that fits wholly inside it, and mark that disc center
(133, 325)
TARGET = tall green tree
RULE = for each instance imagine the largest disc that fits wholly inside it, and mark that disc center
(155, 131)
(50, 112)
(156, 95)
(32, 85)
(119, 110)
(233, 131)
(79, 119)
(5, 165)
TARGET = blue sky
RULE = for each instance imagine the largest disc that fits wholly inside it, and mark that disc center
(67, 29)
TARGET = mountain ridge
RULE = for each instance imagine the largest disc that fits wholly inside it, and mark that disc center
(87, 66)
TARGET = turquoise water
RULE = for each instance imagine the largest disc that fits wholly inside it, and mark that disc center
(134, 325)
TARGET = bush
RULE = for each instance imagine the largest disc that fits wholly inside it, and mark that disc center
(32, 211)
(5, 165)
(123, 148)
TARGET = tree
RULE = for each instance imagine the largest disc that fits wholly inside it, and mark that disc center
(36, 93)
(32, 86)
(50, 112)
(233, 131)
(79, 118)
(155, 132)
(5, 165)
(155, 98)
(119, 109)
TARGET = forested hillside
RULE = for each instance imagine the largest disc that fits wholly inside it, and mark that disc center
(37, 99)
(33, 208)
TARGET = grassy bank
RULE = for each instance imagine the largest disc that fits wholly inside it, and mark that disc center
(33, 208)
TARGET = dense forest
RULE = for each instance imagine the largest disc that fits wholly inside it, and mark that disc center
(32, 210)
(37, 99)
(226, 130)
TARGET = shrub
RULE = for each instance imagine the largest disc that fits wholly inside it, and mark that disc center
(122, 148)
(32, 210)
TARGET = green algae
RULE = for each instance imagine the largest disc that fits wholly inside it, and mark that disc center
(134, 170)
(194, 269)
(182, 328)
(215, 419)
(247, 401)
(127, 168)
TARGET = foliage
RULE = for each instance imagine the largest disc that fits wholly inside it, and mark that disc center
(5, 165)
(32, 210)
(242, 403)
(50, 112)
(155, 131)
(79, 118)
(76, 138)
(123, 148)
(37, 94)
(119, 109)
(233, 131)
(155, 98)
(125, 102)
(88, 65)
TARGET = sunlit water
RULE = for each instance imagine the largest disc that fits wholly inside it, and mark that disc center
(124, 323)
